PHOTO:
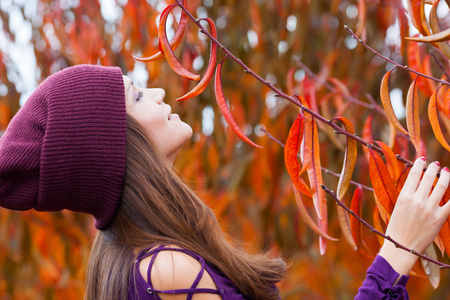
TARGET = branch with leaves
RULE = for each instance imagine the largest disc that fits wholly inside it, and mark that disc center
(302, 148)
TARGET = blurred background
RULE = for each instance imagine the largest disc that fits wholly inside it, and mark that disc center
(42, 255)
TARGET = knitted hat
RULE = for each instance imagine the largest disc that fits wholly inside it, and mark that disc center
(65, 148)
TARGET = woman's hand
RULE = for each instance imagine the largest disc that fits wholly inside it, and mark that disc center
(417, 217)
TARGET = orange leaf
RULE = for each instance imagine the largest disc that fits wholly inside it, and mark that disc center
(291, 149)
(447, 103)
(386, 100)
(344, 221)
(367, 135)
(349, 159)
(362, 17)
(434, 121)
(307, 140)
(412, 115)
(391, 161)
(377, 224)
(438, 37)
(176, 40)
(201, 86)
(307, 218)
(167, 50)
(415, 13)
(382, 182)
(224, 107)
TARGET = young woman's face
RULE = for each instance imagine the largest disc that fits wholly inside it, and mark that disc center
(148, 108)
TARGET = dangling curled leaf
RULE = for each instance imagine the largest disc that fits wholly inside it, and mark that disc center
(167, 50)
(201, 86)
(224, 107)
(434, 120)
(412, 114)
(291, 149)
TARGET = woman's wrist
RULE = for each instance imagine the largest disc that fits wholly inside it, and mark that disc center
(400, 260)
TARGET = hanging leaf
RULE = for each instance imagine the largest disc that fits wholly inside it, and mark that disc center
(436, 28)
(377, 223)
(349, 159)
(438, 37)
(308, 138)
(367, 135)
(412, 115)
(415, 13)
(382, 182)
(291, 149)
(307, 218)
(344, 221)
(391, 161)
(362, 17)
(355, 225)
(176, 40)
(434, 120)
(386, 100)
(167, 50)
(431, 270)
(201, 86)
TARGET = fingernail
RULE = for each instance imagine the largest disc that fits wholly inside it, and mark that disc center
(437, 163)
(423, 158)
(445, 169)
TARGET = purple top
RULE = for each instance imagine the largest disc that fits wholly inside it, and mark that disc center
(140, 289)
(382, 281)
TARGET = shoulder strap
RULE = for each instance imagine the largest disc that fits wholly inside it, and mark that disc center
(194, 285)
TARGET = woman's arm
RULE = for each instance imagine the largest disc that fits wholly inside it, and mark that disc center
(415, 223)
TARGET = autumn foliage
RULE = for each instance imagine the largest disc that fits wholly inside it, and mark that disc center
(352, 107)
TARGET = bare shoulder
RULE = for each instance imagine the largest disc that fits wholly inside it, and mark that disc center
(174, 270)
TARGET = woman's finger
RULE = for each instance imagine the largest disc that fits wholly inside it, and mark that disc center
(440, 187)
(427, 180)
(414, 175)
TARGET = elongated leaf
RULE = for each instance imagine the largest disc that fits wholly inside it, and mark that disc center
(415, 13)
(315, 172)
(167, 50)
(344, 221)
(377, 223)
(176, 40)
(386, 100)
(308, 138)
(382, 182)
(349, 159)
(325, 112)
(436, 28)
(432, 270)
(367, 135)
(412, 115)
(356, 207)
(446, 103)
(291, 149)
(307, 218)
(391, 161)
(362, 17)
(434, 120)
(438, 37)
(224, 107)
(201, 86)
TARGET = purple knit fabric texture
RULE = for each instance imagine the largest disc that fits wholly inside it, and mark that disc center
(66, 147)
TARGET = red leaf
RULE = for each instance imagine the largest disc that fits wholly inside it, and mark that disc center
(355, 225)
(176, 40)
(367, 135)
(224, 107)
(167, 50)
(391, 161)
(201, 86)
(291, 149)
(382, 182)
(412, 115)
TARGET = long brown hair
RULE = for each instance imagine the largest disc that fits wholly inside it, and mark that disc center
(158, 208)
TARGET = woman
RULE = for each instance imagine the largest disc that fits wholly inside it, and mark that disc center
(88, 140)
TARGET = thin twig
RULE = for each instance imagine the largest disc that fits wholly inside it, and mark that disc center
(407, 68)
(263, 129)
(398, 245)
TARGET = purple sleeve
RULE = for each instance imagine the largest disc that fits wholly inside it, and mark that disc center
(380, 280)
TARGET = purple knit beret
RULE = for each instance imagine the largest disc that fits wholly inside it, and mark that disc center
(65, 148)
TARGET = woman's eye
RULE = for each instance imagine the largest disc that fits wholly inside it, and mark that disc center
(138, 96)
